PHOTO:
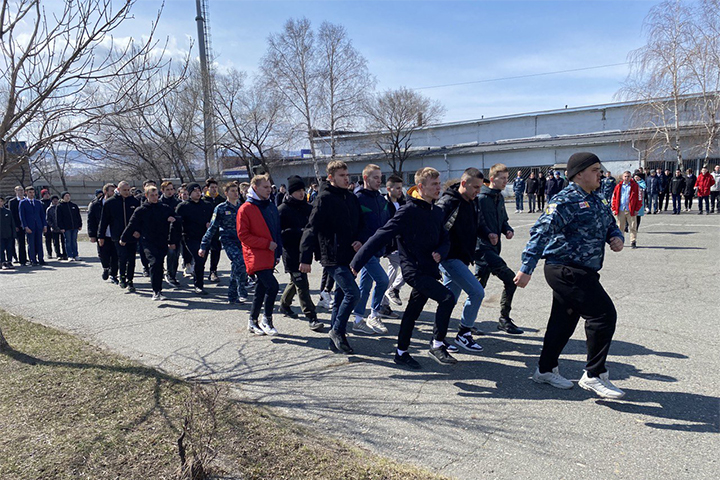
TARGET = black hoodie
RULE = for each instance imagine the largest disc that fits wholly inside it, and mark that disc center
(335, 223)
(492, 208)
(294, 215)
(464, 229)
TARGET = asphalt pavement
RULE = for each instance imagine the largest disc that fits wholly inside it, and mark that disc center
(482, 418)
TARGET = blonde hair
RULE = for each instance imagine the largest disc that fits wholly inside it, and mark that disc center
(370, 167)
(425, 173)
(497, 168)
(150, 188)
(257, 179)
(336, 165)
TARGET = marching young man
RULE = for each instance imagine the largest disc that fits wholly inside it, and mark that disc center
(150, 223)
(213, 197)
(258, 227)
(494, 224)
(294, 215)
(224, 219)
(423, 243)
(571, 237)
(115, 216)
(335, 225)
(460, 216)
(396, 199)
(107, 252)
(173, 255)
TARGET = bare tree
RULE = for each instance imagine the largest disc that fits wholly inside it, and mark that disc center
(290, 71)
(53, 65)
(345, 80)
(396, 115)
(251, 121)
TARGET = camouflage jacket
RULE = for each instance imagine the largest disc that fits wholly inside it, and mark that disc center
(224, 218)
(572, 231)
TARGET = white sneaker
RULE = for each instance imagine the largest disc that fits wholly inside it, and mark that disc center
(363, 327)
(393, 297)
(242, 299)
(376, 324)
(267, 325)
(188, 270)
(552, 378)
(324, 300)
(601, 386)
(254, 328)
(158, 297)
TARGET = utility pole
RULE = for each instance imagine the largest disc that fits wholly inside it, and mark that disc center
(205, 53)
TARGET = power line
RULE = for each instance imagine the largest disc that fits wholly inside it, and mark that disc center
(522, 76)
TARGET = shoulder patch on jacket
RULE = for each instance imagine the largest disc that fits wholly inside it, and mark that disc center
(550, 208)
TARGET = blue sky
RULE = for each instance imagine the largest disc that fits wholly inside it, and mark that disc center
(428, 43)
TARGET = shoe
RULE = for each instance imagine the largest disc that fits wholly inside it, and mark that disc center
(130, 287)
(376, 324)
(324, 300)
(242, 299)
(158, 297)
(288, 311)
(601, 386)
(113, 280)
(406, 360)
(187, 270)
(123, 283)
(507, 325)
(633, 244)
(105, 274)
(467, 342)
(5, 266)
(394, 297)
(442, 356)
(451, 347)
(700, 212)
(200, 291)
(315, 325)
(363, 327)
(267, 326)
(254, 328)
(386, 312)
(146, 271)
(477, 332)
(42, 263)
(552, 378)
(172, 281)
(34, 264)
(213, 277)
(339, 343)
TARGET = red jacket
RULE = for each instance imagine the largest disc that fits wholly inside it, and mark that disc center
(634, 203)
(703, 184)
(255, 236)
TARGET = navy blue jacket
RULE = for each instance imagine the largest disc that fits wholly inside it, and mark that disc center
(375, 213)
(420, 231)
(32, 215)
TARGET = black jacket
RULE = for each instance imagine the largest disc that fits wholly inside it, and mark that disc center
(677, 185)
(464, 229)
(690, 185)
(193, 219)
(392, 210)
(531, 186)
(542, 181)
(116, 213)
(7, 224)
(151, 220)
(171, 202)
(491, 205)
(93, 217)
(68, 216)
(553, 186)
(420, 231)
(294, 216)
(335, 223)
(14, 206)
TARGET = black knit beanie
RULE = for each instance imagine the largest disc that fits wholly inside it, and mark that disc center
(295, 183)
(579, 162)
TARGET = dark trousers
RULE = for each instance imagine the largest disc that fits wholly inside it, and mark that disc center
(109, 256)
(155, 256)
(214, 256)
(126, 260)
(327, 282)
(664, 197)
(299, 283)
(194, 246)
(425, 287)
(173, 258)
(347, 295)
(677, 203)
(35, 245)
(492, 263)
(714, 201)
(143, 258)
(519, 201)
(21, 251)
(266, 291)
(186, 255)
(688, 201)
(531, 202)
(577, 293)
(48, 243)
(6, 249)
(706, 201)
(541, 201)
(58, 240)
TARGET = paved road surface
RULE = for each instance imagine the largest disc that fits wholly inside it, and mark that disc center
(483, 418)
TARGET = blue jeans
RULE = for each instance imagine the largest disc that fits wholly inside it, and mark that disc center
(347, 295)
(238, 273)
(654, 199)
(519, 201)
(371, 272)
(456, 277)
(677, 202)
(71, 247)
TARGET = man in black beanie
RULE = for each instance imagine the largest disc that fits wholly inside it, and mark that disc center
(294, 214)
(571, 235)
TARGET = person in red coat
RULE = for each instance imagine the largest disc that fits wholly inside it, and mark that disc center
(258, 228)
(702, 186)
(626, 204)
